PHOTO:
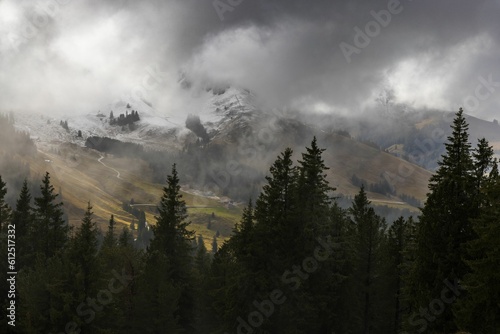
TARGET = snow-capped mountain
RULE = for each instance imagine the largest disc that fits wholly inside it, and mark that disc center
(153, 130)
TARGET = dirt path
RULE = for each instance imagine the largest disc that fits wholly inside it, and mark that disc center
(114, 170)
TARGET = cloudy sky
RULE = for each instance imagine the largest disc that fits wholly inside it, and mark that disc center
(327, 56)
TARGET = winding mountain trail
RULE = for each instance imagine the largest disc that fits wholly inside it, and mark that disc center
(114, 170)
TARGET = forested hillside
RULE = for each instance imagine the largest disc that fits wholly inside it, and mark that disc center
(297, 262)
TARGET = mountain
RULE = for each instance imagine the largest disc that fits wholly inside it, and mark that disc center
(414, 135)
(224, 151)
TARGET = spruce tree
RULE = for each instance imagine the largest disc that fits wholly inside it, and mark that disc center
(343, 233)
(369, 241)
(23, 219)
(215, 247)
(483, 161)
(276, 202)
(243, 235)
(202, 299)
(171, 234)
(126, 239)
(276, 223)
(5, 211)
(172, 242)
(83, 280)
(7, 240)
(479, 310)
(445, 224)
(109, 238)
(83, 249)
(313, 188)
(399, 237)
(50, 232)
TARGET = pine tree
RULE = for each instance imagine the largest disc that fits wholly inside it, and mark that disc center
(313, 187)
(278, 193)
(83, 269)
(5, 211)
(483, 163)
(399, 238)
(202, 263)
(479, 310)
(109, 238)
(172, 239)
(23, 218)
(126, 238)
(84, 243)
(7, 236)
(158, 298)
(276, 222)
(445, 225)
(202, 257)
(50, 232)
(171, 234)
(368, 245)
(343, 233)
(215, 247)
(122, 258)
(243, 235)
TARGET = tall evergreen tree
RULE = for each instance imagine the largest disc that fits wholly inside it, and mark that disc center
(202, 261)
(242, 239)
(313, 187)
(7, 236)
(50, 232)
(369, 241)
(23, 219)
(172, 240)
(83, 250)
(483, 157)
(126, 238)
(399, 237)
(5, 211)
(171, 234)
(278, 193)
(479, 310)
(214, 245)
(83, 280)
(445, 224)
(109, 238)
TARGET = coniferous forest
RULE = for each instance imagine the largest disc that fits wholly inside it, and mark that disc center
(296, 262)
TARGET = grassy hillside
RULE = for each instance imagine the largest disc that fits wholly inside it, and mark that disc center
(80, 177)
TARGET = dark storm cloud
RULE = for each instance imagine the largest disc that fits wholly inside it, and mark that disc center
(432, 53)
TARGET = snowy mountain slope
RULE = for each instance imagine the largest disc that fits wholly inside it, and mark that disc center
(152, 131)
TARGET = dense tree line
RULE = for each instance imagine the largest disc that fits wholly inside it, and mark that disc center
(124, 119)
(114, 146)
(381, 187)
(297, 261)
